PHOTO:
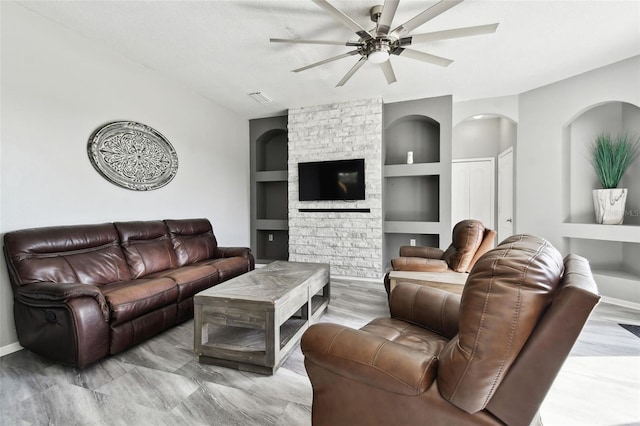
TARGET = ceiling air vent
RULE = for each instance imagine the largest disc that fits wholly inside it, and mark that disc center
(260, 97)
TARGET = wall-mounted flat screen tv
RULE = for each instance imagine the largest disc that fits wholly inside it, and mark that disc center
(331, 180)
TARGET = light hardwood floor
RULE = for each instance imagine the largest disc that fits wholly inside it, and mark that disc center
(160, 382)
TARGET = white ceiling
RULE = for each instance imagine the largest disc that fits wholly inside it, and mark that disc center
(221, 49)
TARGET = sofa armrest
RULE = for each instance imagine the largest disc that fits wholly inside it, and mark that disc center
(232, 252)
(36, 293)
(420, 251)
(369, 359)
(428, 307)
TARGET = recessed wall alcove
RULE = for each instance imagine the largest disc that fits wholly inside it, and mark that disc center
(415, 133)
(271, 150)
(269, 189)
(613, 250)
(417, 195)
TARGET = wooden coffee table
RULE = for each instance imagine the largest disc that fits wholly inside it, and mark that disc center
(253, 322)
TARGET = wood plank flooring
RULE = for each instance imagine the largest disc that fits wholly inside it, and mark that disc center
(160, 382)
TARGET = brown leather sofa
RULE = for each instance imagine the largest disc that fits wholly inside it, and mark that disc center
(487, 357)
(84, 292)
(470, 239)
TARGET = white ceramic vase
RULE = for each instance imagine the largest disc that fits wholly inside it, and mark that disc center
(609, 205)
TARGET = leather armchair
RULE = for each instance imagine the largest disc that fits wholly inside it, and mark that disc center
(487, 357)
(469, 240)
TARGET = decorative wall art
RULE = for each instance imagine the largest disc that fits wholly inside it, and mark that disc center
(132, 155)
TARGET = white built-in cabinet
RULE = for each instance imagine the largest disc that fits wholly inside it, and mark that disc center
(613, 250)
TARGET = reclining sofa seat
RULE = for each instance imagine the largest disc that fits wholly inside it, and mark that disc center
(84, 292)
(487, 357)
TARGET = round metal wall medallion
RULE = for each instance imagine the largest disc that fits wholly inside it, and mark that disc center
(132, 155)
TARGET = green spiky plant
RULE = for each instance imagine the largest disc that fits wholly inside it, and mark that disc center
(612, 157)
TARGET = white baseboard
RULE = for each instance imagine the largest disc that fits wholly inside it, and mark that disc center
(10, 348)
(620, 302)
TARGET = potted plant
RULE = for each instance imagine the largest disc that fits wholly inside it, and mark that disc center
(611, 157)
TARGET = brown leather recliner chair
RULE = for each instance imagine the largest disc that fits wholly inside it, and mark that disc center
(487, 358)
(469, 240)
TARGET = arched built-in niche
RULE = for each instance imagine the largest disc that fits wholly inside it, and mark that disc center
(271, 150)
(414, 133)
(612, 250)
(271, 156)
(412, 193)
(613, 118)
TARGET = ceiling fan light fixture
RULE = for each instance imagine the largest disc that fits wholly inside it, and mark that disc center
(378, 51)
(378, 56)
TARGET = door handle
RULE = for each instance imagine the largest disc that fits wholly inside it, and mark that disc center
(508, 220)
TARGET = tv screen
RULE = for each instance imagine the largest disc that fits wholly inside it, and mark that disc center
(331, 180)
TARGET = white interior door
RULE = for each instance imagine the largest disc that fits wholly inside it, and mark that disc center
(505, 194)
(473, 190)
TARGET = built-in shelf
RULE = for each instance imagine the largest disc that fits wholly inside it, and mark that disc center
(272, 244)
(272, 224)
(612, 250)
(618, 284)
(415, 133)
(593, 231)
(269, 189)
(271, 176)
(272, 200)
(412, 198)
(416, 197)
(422, 169)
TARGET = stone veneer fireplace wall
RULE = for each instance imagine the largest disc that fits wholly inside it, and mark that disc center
(350, 241)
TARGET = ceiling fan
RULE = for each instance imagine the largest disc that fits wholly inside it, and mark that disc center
(377, 45)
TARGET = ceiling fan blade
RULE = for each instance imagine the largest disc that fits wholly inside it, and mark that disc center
(334, 58)
(387, 69)
(448, 34)
(424, 57)
(352, 71)
(344, 19)
(388, 12)
(303, 41)
(425, 16)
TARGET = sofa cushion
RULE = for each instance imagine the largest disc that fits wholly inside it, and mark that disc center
(88, 254)
(229, 267)
(193, 240)
(190, 279)
(147, 247)
(131, 299)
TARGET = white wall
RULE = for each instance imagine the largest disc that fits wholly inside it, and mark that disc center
(476, 138)
(508, 134)
(57, 88)
(544, 115)
(506, 106)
